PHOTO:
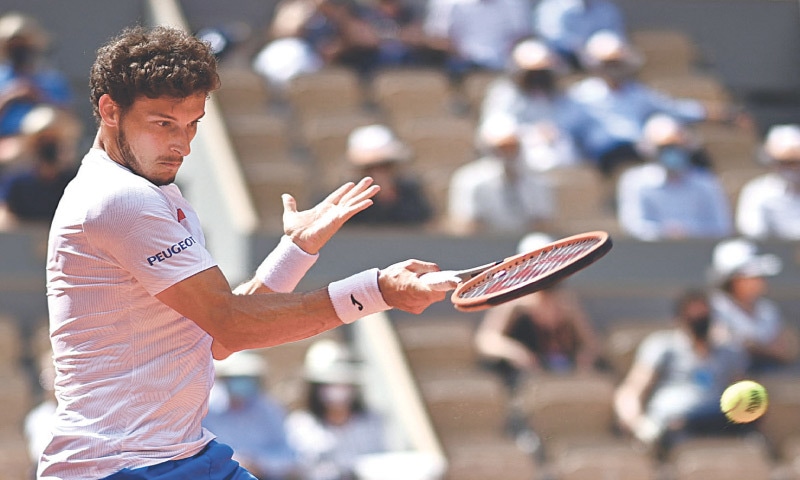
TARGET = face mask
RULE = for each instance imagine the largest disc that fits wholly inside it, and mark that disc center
(242, 388)
(700, 326)
(48, 152)
(336, 394)
(675, 159)
(20, 55)
(539, 80)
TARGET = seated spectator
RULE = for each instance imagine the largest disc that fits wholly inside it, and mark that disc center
(620, 104)
(307, 34)
(31, 194)
(672, 390)
(549, 121)
(243, 415)
(374, 151)
(669, 197)
(25, 80)
(769, 205)
(476, 35)
(337, 428)
(744, 317)
(499, 192)
(566, 25)
(546, 331)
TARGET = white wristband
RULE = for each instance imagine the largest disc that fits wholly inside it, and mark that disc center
(357, 296)
(285, 266)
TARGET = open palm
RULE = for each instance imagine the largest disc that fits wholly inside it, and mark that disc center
(311, 229)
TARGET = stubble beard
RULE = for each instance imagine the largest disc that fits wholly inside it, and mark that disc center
(130, 161)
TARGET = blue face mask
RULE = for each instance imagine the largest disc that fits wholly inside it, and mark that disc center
(675, 159)
(242, 388)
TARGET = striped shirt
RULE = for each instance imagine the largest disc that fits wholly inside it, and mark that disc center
(133, 375)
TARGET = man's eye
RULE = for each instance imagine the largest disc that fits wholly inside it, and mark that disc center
(163, 123)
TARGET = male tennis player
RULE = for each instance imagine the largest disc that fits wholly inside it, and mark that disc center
(137, 305)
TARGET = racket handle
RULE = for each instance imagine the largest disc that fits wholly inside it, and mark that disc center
(442, 281)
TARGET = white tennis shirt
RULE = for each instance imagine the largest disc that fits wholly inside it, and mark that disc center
(133, 375)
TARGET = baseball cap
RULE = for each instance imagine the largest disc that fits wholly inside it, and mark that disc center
(241, 364)
(328, 361)
(740, 257)
(375, 144)
(534, 240)
(533, 55)
(18, 25)
(782, 143)
(605, 46)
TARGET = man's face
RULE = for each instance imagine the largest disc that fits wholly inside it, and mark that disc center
(155, 134)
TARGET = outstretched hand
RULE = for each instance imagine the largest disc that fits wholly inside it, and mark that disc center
(311, 229)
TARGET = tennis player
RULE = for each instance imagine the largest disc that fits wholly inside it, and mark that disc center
(138, 307)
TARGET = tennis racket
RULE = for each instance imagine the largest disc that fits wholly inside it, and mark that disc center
(499, 282)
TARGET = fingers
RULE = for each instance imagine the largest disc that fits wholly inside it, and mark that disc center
(351, 190)
(289, 203)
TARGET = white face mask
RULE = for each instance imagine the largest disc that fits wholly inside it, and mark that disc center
(337, 394)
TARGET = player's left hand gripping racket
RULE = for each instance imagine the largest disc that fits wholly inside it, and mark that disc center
(499, 282)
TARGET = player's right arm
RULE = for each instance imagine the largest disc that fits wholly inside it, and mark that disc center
(238, 322)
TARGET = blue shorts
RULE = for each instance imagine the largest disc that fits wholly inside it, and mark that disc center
(212, 463)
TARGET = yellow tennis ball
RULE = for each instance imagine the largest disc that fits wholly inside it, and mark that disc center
(744, 401)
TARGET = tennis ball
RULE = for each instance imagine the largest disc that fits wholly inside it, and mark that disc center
(744, 401)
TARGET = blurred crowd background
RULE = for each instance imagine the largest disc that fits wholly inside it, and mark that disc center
(491, 125)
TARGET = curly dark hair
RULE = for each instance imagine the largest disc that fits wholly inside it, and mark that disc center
(157, 62)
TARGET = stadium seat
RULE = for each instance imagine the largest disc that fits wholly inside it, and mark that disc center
(568, 406)
(268, 181)
(608, 460)
(11, 343)
(15, 397)
(15, 462)
(692, 85)
(581, 199)
(729, 147)
(732, 462)
(474, 87)
(242, 91)
(463, 401)
(439, 141)
(488, 457)
(733, 180)
(666, 51)
(331, 90)
(411, 93)
(431, 344)
(781, 422)
(259, 138)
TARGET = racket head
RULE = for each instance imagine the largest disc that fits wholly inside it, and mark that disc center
(531, 271)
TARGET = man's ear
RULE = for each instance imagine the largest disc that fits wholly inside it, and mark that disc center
(109, 110)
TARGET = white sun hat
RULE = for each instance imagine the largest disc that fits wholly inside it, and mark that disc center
(740, 257)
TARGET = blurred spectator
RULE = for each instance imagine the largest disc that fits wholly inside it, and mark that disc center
(744, 317)
(669, 197)
(375, 152)
(673, 388)
(566, 25)
(243, 415)
(499, 192)
(769, 205)
(307, 34)
(39, 419)
(31, 193)
(546, 331)
(338, 428)
(25, 81)
(620, 104)
(288, 51)
(549, 121)
(476, 35)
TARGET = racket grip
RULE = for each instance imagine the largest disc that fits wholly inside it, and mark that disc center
(442, 281)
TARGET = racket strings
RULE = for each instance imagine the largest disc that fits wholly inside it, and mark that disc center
(531, 268)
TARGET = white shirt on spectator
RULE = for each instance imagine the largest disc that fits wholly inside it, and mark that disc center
(769, 207)
(481, 192)
(482, 31)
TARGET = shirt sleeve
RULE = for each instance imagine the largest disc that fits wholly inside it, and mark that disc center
(139, 232)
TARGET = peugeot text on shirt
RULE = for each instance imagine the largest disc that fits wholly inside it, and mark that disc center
(175, 249)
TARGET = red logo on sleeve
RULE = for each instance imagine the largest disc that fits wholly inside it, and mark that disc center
(181, 215)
